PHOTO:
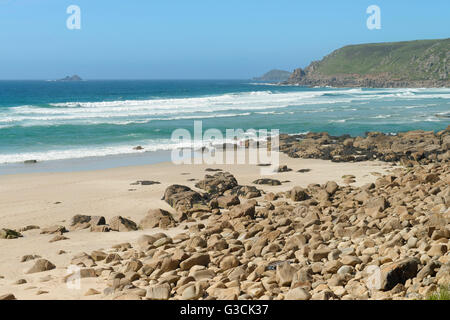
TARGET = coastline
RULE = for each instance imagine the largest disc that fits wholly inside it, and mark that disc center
(87, 163)
(331, 212)
(47, 199)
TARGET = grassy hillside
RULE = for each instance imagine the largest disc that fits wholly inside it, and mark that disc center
(412, 60)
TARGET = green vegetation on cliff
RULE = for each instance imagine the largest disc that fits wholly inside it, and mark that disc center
(408, 64)
(411, 60)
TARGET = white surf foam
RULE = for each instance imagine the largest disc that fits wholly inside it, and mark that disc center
(197, 107)
(99, 151)
(168, 108)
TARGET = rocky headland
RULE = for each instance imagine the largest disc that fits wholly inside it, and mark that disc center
(274, 76)
(408, 64)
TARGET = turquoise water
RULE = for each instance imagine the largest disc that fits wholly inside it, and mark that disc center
(47, 120)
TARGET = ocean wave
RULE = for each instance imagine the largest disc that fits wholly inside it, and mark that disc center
(62, 120)
(341, 120)
(443, 115)
(298, 133)
(415, 107)
(146, 109)
(79, 153)
(268, 112)
(125, 111)
(148, 145)
(264, 84)
(432, 119)
(382, 116)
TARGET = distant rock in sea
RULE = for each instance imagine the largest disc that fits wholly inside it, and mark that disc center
(274, 76)
(72, 78)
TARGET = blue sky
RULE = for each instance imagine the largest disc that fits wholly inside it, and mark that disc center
(197, 39)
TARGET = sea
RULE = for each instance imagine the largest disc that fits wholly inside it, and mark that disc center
(55, 120)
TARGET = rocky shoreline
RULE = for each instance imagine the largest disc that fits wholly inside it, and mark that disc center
(383, 240)
(302, 77)
(409, 148)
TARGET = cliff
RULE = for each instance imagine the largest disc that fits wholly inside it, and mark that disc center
(274, 75)
(421, 63)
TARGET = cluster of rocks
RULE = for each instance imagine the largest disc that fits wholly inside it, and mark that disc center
(384, 240)
(154, 218)
(221, 191)
(409, 148)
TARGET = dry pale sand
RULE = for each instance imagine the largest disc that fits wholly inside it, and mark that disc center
(30, 199)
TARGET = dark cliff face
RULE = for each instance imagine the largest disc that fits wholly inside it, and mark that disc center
(389, 65)
(300, 77)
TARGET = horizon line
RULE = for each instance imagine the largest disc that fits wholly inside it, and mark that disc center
(130, 79)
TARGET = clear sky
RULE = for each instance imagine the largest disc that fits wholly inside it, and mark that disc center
(197, 39)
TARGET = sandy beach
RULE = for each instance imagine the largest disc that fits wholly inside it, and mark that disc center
(47, 199)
